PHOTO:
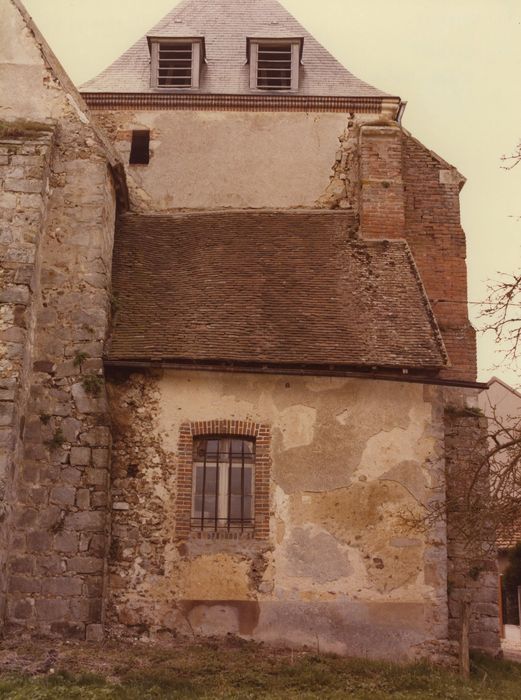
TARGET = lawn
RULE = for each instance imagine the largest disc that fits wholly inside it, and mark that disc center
(233, 670)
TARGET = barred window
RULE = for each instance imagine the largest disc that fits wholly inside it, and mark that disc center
(274, 64)
(223, 479)
(176, 63)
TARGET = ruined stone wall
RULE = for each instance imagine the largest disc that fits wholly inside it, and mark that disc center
(472, 572)
(58, 232)
(409, 192)
(339, 568)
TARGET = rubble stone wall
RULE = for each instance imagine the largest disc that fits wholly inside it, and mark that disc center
(338, 564)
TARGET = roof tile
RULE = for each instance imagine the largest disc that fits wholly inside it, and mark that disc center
(272, 287)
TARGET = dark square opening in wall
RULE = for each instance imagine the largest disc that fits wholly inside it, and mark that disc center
(140, 149)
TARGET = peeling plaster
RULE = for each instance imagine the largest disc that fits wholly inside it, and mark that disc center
(338, 491)
(298, 426)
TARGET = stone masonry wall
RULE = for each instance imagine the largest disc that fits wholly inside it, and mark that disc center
(59, 207)
(24, 172)
(58, 528)
(472, 575)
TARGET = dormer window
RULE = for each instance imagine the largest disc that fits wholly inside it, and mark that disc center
(176, 63)
(274, 63)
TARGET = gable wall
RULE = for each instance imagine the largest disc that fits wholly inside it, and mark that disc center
(362, 162)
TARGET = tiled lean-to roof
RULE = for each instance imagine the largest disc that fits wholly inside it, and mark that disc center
(225, 26)
(271, 287)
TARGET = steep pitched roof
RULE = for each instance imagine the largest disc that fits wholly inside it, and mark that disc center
(226, 25)
(268, 287)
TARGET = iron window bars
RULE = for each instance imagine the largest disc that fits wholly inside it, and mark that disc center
(274, 66)
(223, 478)
(175, 64)
(274, 63)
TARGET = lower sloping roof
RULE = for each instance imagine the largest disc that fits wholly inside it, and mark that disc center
(268, 287)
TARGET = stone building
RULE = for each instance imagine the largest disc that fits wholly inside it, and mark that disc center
(234, 350)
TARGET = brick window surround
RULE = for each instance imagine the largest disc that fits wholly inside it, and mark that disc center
(223, 428)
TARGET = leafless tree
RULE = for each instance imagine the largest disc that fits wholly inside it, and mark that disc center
(501, 315)
(512, 160)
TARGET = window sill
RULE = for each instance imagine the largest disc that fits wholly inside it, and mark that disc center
(223, 534)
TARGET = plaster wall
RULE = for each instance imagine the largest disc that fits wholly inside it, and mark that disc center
(212, 159)
(340, 568)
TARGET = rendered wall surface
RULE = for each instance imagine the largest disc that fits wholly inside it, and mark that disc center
(213, 160)
(348, 457)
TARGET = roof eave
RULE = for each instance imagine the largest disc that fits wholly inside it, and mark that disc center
(425, 375)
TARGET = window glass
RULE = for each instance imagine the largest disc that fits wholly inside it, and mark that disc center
(223, 477)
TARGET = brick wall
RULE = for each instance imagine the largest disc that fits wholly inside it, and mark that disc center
(406, 191)
(382, 205)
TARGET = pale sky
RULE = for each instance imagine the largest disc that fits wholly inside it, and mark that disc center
(456, 62)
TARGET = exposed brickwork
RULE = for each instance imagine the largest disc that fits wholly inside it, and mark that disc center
(470, 577)
(434, 232)
(262, 435)
(382, 206)
(409, 192)
(231, 103)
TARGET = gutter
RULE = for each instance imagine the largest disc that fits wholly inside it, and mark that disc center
(298, 371)
(401, 110)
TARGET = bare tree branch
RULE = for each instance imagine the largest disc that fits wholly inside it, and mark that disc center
(512, 160)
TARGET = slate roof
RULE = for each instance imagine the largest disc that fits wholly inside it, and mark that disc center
(268, 287)
(226, 24)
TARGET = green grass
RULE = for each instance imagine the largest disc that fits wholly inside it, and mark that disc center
(249, 671)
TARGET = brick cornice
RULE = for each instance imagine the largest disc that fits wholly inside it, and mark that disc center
(250, 103)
